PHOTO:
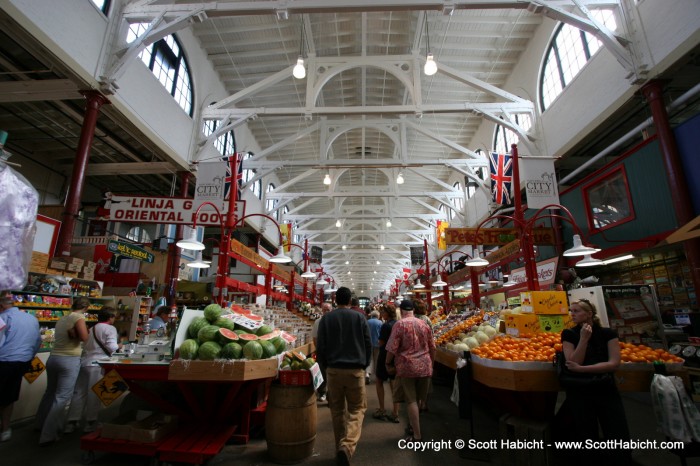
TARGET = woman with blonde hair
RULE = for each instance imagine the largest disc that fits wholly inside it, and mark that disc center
(62, 370)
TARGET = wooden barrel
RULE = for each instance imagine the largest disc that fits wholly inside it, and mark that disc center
(290, 423)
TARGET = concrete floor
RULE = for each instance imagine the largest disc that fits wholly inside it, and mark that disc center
(378, 445)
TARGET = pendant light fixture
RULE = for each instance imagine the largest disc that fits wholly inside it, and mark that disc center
(579, 249)
(327, 179)
(399, 179)
(198, 263)
(308, 274)
(191, 243)
(338, 223)
(388, 223)
(589, 261)
(299, 70)
(430, 67)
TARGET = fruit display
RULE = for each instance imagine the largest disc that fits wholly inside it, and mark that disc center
(217, 336)
(542, 347)
(294, 360)
(464, 332)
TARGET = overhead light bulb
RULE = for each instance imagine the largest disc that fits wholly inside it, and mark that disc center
(327, 179)
(399, 179)
(299, 70)
(618, 259)
(430, 67)
(345, 246)
(338, 223)
(381, 247)
(388, 223)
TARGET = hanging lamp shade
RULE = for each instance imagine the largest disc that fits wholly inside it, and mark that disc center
(430, 67)
(439, 282)
(280, 258)
(308, 274)
(198, 262)
(589, 261)
(191, 243)
(477, 262)
(418, 284)
(579, 249)
(321, 282)
(299, 70)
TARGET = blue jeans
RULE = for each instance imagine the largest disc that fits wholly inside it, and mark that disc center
(61, 374)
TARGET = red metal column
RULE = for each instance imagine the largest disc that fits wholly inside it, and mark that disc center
(173, 266)
(653, 92)
(95, 100)
(290, 293)
(428, 297)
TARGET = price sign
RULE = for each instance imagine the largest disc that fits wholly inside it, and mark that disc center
(110, 387)
(247, 323)
(35, 370)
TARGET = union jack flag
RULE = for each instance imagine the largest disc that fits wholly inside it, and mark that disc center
(229, 177)
(501, 177)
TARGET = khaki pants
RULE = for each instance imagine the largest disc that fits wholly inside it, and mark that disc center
(346, 387)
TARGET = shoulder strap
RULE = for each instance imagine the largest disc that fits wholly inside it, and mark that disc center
(94, 335)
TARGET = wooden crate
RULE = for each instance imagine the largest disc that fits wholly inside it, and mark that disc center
(219, 370)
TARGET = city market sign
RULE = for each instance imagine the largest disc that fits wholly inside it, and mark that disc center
(167, 210)
(130, 251)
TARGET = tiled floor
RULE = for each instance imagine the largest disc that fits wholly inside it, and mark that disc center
(378, 446)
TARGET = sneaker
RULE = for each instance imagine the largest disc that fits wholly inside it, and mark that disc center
(70, 427)
(91, 427)
(379, 414)
(343, 457)
(322, 398)
(5, 436)
(393, 418)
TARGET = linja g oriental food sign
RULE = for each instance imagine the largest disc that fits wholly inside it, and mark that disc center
(167, 210)
(130, 251)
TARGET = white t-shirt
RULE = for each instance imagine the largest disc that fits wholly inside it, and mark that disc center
(92, 351)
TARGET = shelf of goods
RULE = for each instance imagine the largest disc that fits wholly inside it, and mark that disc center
(133, 312)
(215, 395)
(49, 297)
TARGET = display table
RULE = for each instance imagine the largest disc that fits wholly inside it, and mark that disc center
(216, 406)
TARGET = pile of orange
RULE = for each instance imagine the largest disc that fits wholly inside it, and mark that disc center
(541, 347)
(641, 353)
(462, 327)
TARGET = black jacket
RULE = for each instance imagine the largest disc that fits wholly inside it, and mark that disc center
(343, 340)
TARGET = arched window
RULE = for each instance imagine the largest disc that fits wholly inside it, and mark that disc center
(226, 143)
(138, 235)
(271, 203)
(167, 62)
(458, 202)
(103, 5)
(503, 138)
(567, 54)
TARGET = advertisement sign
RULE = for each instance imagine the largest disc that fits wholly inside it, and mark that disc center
(546, 272)
(540, 183)
(129, 250)
(316, 254)
(169, 210)
(210, 183)
(495, 236)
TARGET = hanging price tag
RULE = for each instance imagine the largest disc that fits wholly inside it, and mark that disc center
(36, 369)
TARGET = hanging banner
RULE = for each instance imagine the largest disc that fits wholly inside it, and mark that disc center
(170, 210)
(35, 370)
(316, 254)
(440, 234)
(546, 272)
(496, 236)
(416, 255)
(130, 250)
(540, 183)
(286, 231)
(210, 183)
(110, 387)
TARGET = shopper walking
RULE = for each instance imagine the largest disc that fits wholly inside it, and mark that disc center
(344, 347)
(375, 325)
(323, 388)
(591, 349)
(382, 375)
(412, 347)
(20, 339)
(101, 343)
(420, 312)
(62, 370)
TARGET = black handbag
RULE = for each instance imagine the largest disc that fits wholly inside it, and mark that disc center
(569, 379)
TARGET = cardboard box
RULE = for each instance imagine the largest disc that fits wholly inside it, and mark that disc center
(152, 429)
(73, 268)
(518, 325)
(554, 323)
(222, 370)
(58, 264)
(120, 426)
(544, 302)
(75, 261)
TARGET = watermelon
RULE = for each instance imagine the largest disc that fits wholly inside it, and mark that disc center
(280, 344)
(188, 349)
(223, 322)
(196, 325)
(245, 338)
(270, 336)
(208, 333)
(231, 351)
(264, 330)
(252, 350)
(268, 348)
(241, 331)
(254, 317)
(227, 336)
(212, 312)
(209, 351)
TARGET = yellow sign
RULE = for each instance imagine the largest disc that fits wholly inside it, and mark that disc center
(495, 236)
(441, 227)
(554, 323)
(110, 387)
(36, 369)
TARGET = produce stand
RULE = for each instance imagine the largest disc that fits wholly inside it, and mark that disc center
(220, 399)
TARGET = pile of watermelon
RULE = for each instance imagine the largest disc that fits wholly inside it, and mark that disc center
(216, 337)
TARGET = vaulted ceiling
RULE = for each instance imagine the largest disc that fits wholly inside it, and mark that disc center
(365, 112)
